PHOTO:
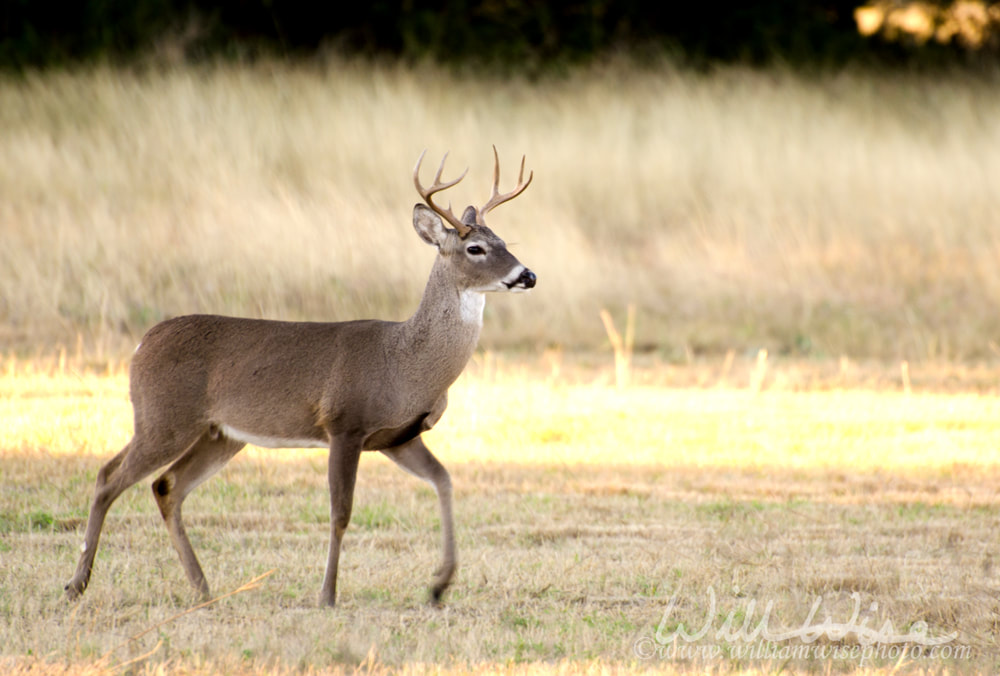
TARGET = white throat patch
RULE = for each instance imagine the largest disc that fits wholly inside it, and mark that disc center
(470, 306)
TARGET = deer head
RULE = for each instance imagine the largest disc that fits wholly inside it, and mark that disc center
(478, 255)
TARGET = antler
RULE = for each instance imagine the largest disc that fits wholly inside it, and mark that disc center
(496, 198)
(438, 186)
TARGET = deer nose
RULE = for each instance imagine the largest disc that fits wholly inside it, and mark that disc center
(527, 279)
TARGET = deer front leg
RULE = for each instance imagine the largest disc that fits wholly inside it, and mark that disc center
(415, 458)
(342, 471)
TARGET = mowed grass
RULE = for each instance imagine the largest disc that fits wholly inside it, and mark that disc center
(582, 509)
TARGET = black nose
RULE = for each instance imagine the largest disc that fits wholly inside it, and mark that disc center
(527, 279)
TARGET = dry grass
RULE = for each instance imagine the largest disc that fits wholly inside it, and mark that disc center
(849, 214)
(581, 509)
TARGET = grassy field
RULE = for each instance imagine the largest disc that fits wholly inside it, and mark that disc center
(582, 509)
(811, 416)
(847, 214)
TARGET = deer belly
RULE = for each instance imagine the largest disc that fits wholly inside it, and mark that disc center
(265, 441)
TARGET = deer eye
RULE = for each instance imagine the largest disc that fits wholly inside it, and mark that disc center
(475, 250)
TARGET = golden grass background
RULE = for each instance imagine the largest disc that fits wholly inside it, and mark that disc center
(844, 214)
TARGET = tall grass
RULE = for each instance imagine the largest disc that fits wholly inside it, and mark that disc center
(846, 214)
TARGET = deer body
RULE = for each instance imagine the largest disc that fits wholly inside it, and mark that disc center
(203, 386)
(236, 373)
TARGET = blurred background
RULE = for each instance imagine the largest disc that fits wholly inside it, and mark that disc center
(818, 179)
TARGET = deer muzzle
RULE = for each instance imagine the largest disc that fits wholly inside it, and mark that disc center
(525, 281)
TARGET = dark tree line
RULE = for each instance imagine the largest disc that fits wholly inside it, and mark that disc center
(519, 34)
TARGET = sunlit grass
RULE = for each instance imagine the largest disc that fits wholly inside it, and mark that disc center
(734, 429)
(538, 422)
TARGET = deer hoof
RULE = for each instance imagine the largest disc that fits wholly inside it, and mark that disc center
(73, 590)
(436, 596)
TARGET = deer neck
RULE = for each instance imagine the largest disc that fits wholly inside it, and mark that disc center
(444, 331)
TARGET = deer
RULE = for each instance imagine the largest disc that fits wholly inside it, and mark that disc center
(204, 386)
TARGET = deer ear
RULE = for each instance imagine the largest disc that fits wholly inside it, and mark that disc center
(471, 216)
(429, 226)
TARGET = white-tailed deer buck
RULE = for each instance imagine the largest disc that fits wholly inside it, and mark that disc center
(204, 386)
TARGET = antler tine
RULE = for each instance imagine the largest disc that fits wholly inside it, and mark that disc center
(496, 198)
(438, 186)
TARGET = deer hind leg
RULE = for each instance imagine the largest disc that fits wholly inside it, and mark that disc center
(141, 456)
(201, 461)
(415, 458)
